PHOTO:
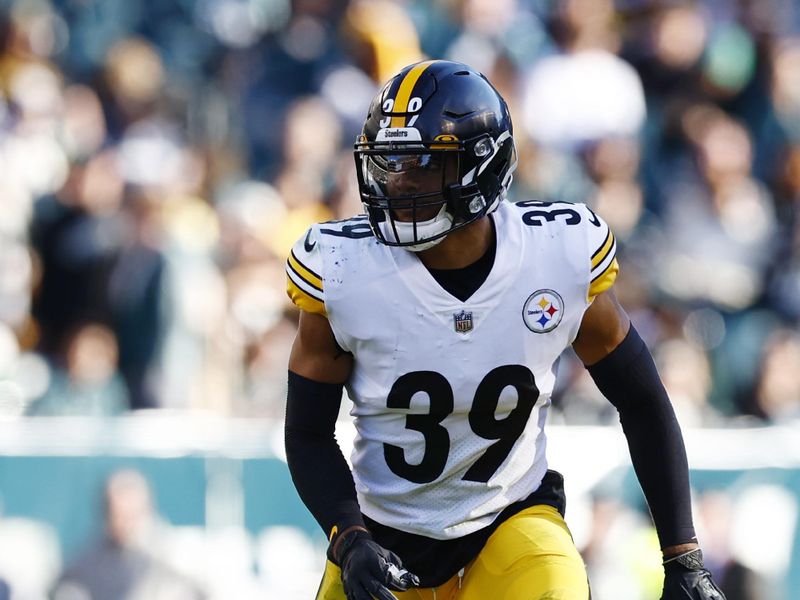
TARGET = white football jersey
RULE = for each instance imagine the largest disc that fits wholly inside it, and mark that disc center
(450, 397)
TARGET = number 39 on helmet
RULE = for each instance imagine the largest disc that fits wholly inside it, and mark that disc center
(435, 154)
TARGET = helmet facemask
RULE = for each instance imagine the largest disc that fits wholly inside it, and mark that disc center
(415, 193)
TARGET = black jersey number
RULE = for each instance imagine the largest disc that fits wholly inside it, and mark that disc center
(355, 228)
(534, 217)
(437, 441)
(482, 419)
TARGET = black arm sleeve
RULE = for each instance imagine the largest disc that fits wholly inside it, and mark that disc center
(316, 463)
(629, 379)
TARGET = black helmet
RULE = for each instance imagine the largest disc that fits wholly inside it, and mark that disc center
(436, 153)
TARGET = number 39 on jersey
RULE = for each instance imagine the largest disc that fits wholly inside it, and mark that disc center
(450, 418)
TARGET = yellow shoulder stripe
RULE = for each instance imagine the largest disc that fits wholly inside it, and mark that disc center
(404, 92)
(303, 300)
(602, 252)
(604, 280)
(304, 272)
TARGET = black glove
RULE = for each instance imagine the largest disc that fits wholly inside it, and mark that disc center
(685, 578)
(368, 570)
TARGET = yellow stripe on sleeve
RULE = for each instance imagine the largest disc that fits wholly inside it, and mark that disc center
(304, 272)
(602, 252)
(604, 280)
(404, 92)
(303, 300)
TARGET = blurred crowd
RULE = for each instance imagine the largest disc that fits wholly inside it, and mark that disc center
(159, 157)
(137, 554)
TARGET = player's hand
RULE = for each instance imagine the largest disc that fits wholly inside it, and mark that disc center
(370, 571)
(685, 578)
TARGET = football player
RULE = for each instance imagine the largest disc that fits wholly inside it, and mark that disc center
(443, 310)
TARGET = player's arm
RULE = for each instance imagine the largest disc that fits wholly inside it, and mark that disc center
(623, 369)
(318, 370)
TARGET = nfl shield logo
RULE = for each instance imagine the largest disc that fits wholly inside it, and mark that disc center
(463, 321)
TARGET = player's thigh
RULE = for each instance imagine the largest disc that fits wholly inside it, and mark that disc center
(531, 556)
(330, 588)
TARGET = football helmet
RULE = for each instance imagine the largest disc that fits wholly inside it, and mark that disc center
(435, 154)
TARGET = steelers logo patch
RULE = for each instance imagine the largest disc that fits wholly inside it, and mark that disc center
(542, 311)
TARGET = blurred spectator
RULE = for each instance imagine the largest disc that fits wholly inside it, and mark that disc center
(134, 76)
(89, 383)
(666, 44)
(715, 517)
(777, 391)
(686, 373)
(621, 555)
(380, 37)
(613, 165)
(196, 296)
(74, 234)
(585, 93)
(719, 222)
(136, 302)
(784, 290)
(124, 563)
(492, 32)
(784, 91)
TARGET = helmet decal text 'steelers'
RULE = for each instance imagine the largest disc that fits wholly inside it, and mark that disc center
(436, 153)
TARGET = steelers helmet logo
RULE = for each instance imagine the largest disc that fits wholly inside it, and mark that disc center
(542, 311)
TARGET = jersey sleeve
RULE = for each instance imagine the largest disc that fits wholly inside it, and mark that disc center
(603, 249)
(304, 283)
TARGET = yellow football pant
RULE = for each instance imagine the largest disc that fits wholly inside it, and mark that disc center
(531, 556)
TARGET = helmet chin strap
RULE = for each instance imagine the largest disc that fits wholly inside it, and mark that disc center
(425, 230)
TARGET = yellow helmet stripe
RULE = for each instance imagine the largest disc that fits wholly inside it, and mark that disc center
(404, 92)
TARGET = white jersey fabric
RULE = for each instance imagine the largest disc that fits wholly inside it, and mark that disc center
(449, 397)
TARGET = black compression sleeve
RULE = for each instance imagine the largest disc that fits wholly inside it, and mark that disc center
(629, 379)
(319, 470)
